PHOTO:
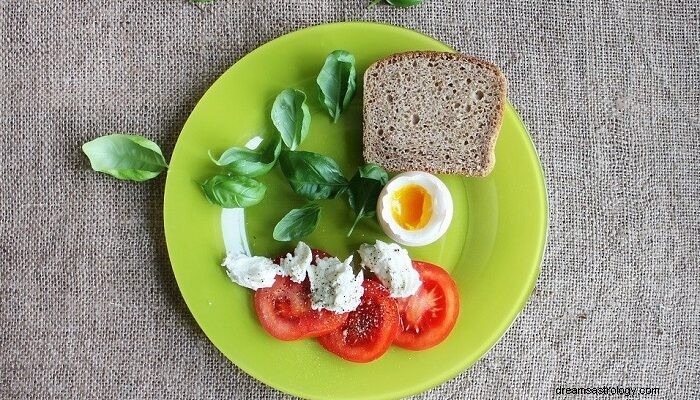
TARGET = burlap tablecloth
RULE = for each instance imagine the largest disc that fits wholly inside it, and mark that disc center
(88, 303)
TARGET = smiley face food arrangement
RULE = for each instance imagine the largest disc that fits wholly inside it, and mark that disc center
(424, 113)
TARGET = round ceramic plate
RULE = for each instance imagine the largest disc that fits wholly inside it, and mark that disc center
(493, 248)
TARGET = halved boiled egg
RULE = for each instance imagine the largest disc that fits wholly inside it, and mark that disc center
(415, 208)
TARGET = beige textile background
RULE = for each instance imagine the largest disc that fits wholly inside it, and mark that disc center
(88, 304)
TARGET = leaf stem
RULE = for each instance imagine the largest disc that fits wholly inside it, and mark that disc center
(352, 228)
(211, 157)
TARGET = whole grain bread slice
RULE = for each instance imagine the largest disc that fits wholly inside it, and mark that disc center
(433, 111)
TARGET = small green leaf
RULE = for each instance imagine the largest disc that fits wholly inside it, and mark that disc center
(373, 171)
(404, 3)
(312, 175)
(336, 82)
(233, 191)
(298, 223)
(252, 163)
(291, 117)
(363, 191)
(235, 155)
(127, 157)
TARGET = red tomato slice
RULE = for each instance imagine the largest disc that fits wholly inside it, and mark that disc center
(369, 331)
(428, 316)
(284, 309)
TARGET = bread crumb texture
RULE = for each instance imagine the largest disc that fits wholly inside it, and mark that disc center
(432, 111)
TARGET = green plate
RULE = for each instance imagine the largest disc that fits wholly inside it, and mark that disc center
(493, 248)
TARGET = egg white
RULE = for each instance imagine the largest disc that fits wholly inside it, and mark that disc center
(442, 209)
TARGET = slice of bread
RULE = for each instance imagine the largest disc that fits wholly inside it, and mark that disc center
(434, 112)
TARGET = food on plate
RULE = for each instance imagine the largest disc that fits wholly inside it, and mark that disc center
(310, 294)
(233, 191)
(429, 111)
(334, 286)
(363, 192)
(336, 83)
(312, 175)
(249, 162)
(295, 265)
(318, 177)
(285, 311)
(392, 266)
(290, 115)
(415, 208)
(251, 272)
(434, 112)
(427, 317)
(368, 332)
(297, 223)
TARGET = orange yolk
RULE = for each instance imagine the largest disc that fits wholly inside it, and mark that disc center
(411, 207)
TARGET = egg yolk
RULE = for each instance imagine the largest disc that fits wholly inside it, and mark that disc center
(411, 207)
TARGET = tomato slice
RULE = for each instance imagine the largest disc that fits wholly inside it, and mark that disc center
(285, 312)
(428, 316)
(368, 331)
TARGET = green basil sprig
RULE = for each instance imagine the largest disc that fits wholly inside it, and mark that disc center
(291, 117)
(336, 82)
(299, 222)
(363, 191)
(312, 175)
(404, 3)
(398, 3)
(246, 162)
(233, 191)
(126, 157)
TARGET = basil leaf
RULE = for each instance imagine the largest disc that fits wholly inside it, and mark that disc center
(404, 3)
(126, 157)
(311, 175)
(397, 3)
(291, 117)
(373, 171)
(363, 191)
(246, 162)
(336, 82)
(298, 223)
(233, 191)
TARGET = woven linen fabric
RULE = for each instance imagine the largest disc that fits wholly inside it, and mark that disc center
(609, 91)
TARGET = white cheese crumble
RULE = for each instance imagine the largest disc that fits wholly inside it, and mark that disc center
(251, 272)
(295, 266)
(392, 265)
(334, 285)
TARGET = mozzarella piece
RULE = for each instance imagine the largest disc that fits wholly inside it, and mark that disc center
(392, 265)
(251, 272)
(334, 286)
(295, 266)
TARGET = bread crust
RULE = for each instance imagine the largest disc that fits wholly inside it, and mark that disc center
(496, 120)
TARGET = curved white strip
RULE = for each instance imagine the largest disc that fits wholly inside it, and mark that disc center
(233, 229)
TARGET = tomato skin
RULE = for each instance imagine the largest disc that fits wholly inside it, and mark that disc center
(285, 312)
(428, 316)
(368, 331)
